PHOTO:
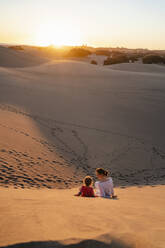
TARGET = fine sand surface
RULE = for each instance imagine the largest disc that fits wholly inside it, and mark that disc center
(12, 58)
(55, 218)
(60, 120)
(139, 67)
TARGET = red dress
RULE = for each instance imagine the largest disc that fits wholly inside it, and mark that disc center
(87, 191)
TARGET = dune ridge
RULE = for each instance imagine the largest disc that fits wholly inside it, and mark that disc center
(13, 59)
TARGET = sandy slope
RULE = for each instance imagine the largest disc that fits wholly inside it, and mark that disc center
(139, 67)
(58, 122)
(12, 58)
(84, 116)
(136, 218)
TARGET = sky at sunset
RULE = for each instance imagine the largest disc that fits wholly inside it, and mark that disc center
(127, 23)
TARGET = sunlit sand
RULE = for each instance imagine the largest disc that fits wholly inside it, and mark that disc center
(60, 120)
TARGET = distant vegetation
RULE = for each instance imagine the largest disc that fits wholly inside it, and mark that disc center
(153, 59)
(16, 47)
(103, 52)
(116, 59)
(78, 52)
(134, 57)
(113, 55)
(94, 62)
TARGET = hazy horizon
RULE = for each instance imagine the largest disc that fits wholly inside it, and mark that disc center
(107, 23)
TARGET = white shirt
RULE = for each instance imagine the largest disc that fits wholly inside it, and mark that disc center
(104, 188)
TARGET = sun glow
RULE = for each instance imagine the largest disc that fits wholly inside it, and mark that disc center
(58, 36)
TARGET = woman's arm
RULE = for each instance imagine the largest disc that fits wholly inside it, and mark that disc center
(99, 189)
(112, 190)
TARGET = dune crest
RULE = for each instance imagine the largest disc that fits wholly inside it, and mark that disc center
(13, 59)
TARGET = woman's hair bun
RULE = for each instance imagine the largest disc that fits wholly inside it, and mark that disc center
(102, 171)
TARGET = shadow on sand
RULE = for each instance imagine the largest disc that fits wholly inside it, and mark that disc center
(114, 243)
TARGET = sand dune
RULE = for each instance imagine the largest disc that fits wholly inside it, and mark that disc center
(55, 218)
(12, 58)
(88, 115)
(59, 121)
(139, 67)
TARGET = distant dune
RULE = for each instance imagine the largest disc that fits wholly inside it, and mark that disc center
(12, 58)
(139, 67)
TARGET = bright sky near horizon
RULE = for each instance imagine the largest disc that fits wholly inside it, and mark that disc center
(127, 23)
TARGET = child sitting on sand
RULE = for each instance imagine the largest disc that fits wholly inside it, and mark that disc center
(104, 187)
(86, 190)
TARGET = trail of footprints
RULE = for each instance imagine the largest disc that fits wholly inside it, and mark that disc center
(23, 170)
(20, 177)
(54, 130)
(79, 160)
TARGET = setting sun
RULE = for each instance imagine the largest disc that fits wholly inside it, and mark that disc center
(48, 35)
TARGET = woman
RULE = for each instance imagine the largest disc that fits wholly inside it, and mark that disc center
(104, 185)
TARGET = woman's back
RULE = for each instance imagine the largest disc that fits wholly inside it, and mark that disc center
(104, 188)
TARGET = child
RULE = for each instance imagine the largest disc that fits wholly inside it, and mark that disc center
(86, 190)
(104, 187)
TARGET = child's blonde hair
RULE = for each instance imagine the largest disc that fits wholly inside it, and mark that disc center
(88, 181)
